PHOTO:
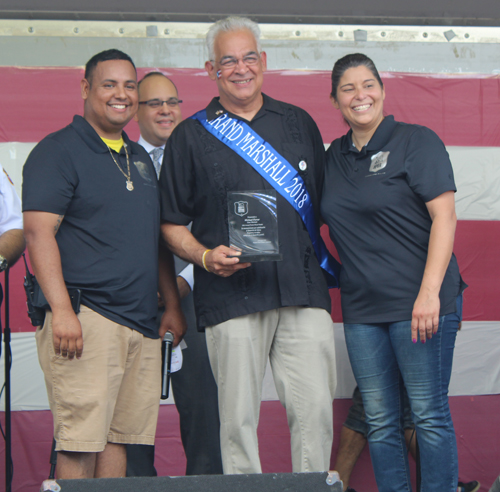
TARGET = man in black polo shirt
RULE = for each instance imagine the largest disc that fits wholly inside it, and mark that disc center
(91, 221)
(252, 311)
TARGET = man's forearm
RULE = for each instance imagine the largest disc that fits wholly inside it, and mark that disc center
(12, 245)
(46, 262)
(173, 319)
(40, 230)
(167, 282)
(182, 243)
(221, 260)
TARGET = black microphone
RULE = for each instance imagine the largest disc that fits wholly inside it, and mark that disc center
(166, 361)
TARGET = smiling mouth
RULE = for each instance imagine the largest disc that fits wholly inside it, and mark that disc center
(364, 107)
(241, 81)
(118, 106)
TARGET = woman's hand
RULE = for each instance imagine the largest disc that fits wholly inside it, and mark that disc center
(425, 316)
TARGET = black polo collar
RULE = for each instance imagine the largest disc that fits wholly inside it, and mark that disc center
(379, 139)
(269, 104)
(93, 140)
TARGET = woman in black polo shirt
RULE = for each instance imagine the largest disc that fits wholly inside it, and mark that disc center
(388, 200)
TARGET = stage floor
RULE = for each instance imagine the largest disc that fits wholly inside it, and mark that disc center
(475, 418)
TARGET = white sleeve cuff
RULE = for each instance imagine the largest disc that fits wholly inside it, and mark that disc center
(188, 275)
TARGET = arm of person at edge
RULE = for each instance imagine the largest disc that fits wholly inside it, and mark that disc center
(425, 315)
(172, 319)
(183, 286)
(220, 260)
(40, 230)
(12, 245)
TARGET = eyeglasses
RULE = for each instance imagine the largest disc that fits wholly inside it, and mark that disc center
(173, 102)
(248, 60)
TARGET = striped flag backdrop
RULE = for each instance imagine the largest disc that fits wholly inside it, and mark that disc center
(462, 109)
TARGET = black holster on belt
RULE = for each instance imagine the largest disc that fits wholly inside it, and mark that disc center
(36, 302)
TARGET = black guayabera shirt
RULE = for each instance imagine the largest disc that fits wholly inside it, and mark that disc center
(197, 173)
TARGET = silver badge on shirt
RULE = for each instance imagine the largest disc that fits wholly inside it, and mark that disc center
(379, 161)
(143, 169)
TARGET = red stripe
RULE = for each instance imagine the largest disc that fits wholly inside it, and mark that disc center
(476, 249)
(462, 110)
(32, 436)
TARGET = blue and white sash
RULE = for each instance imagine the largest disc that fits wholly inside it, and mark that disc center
(278, 172)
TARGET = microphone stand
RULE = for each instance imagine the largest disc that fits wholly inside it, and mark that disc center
(8, 363)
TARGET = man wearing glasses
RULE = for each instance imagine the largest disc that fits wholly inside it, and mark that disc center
(158, 114)
(252, 311)
(194, 388)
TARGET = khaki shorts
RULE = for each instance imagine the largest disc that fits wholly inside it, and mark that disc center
(111, 394)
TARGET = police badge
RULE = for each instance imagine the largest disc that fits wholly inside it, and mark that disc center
(241, 208)
(143, 169)
(379, 161)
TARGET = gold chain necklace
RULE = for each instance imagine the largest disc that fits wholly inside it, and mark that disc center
(130, 185)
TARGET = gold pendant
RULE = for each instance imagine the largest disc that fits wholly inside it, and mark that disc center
(130, 185)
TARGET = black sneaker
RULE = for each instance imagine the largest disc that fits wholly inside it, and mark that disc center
(469, 486)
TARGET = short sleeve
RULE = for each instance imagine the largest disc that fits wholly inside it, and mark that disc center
(49, 178)
(427, 164)
(10, 208)
(177, 180)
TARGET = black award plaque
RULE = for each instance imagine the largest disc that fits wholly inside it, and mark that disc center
(253, 225)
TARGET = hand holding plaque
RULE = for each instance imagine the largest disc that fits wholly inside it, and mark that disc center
(253, 225)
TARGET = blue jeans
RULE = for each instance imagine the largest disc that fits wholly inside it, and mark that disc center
(356, 418)
(384, 360)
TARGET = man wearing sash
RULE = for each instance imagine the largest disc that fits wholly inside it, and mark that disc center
(247, 142)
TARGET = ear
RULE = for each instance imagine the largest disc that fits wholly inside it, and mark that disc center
(135, 116)
(334, 102)
(383, 93)
(210, 70)
(85, 88)
(263, 60)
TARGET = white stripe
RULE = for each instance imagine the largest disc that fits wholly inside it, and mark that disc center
(476, 169)
(477, 177)
(476, 367)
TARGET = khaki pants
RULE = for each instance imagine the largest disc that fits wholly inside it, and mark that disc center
(300, 345)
